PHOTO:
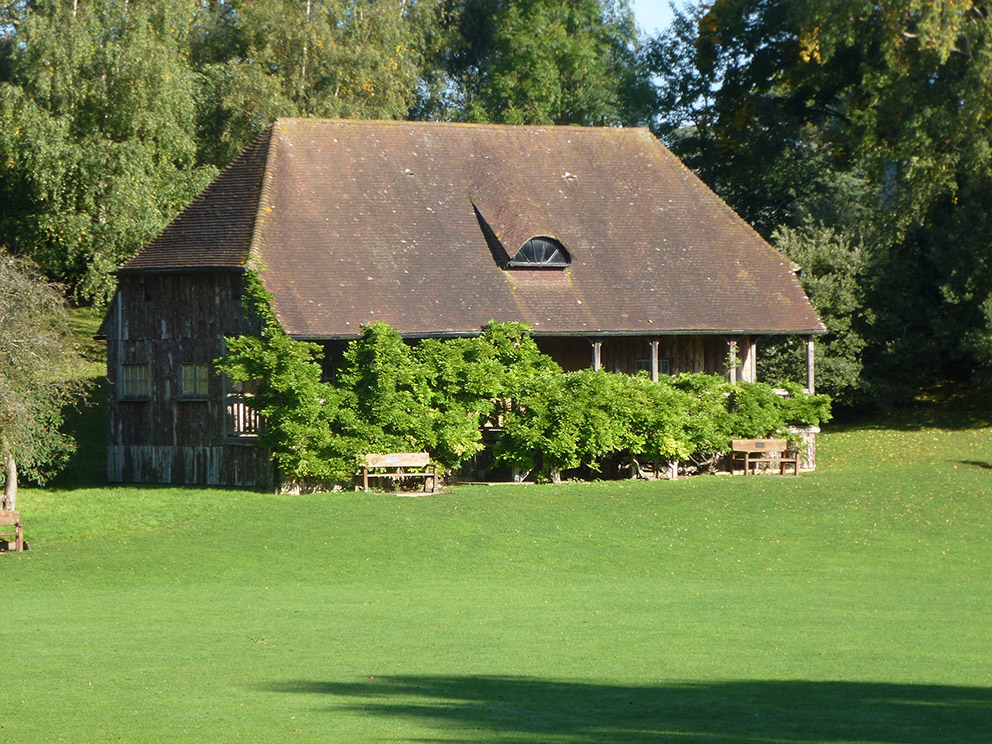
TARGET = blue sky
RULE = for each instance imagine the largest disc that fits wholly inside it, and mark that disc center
(652, 15)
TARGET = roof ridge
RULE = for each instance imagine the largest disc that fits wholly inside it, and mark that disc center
(455, 124)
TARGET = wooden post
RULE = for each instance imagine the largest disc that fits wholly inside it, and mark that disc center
(810, 371)
(654, 359)
(748, 372)
(597, 354)
(732, 361)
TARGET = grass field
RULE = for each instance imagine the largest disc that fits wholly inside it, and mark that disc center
(849, 605)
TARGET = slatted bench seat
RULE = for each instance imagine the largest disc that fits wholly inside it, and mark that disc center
(399, 466)
(761, 453)
(12, 519)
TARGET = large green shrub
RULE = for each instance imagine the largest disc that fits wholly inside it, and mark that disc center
(383, 379)
(435, 396)
(310, 426)
(560, 422)
(390, 396)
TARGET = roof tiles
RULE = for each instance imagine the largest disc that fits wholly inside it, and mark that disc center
(350, 222)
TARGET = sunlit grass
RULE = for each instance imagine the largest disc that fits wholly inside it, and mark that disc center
(849, 605)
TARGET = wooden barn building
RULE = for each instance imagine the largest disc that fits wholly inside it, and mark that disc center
(599, 239)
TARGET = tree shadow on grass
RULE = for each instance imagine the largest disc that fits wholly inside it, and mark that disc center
(519, 710)
(916, 418)
(87, 423)
(952, 406)
(976, 464)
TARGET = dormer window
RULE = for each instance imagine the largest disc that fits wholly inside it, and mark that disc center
(518, 230)
(541, 252)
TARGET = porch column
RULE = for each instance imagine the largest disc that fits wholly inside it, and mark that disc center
(748, 360)
(809, 365)
(732, 361)
(597, 354)
(654, 359)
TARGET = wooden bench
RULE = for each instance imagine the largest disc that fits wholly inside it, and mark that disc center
(764, 452)
(397, 466)
(12, 519)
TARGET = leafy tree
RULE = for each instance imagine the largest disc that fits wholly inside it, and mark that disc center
(743, 111)
(310, 425)
(39, 375)
(834, 276)
(871, 121)
(309, 58)
(535, 62)
(918, 124)
(97, 141)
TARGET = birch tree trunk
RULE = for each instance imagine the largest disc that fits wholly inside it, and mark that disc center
(9, 502)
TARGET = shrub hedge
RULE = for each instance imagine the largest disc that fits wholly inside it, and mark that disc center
(437, 395)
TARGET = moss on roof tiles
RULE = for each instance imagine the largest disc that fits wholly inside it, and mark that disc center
(351, 222)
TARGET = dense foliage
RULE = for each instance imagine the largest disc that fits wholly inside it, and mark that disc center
(97, 138)
(854, 135)
(857, 136)
(583, 419)
(535, 62)
(436, 396)
(39, 375)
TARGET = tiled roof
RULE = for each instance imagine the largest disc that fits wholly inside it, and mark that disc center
(215, 230)
(349, 222)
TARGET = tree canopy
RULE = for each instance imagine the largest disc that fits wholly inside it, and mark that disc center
(858, 124)
(39, 374)
(97, 138)
(850, 131)
(536, 62)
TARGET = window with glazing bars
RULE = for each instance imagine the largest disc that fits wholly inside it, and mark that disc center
(135, 381)
(193, 383)
(541, 252)
(644, 365)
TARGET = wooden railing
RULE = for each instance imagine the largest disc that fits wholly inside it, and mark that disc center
(242, 419)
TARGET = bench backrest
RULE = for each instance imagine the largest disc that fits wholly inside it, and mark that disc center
(759, 445)
(398, 460)
(9, 517)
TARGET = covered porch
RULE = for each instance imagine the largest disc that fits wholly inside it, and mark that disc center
(733, 356)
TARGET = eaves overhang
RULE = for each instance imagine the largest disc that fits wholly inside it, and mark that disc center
(183, 270)
(576, 334)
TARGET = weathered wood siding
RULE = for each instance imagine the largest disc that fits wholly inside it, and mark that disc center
(165, 321)
(572, 354)
(707, 354)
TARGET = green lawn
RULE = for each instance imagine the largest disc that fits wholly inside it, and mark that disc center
(849, 605)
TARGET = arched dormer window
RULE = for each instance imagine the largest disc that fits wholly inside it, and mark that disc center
(541, 252)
